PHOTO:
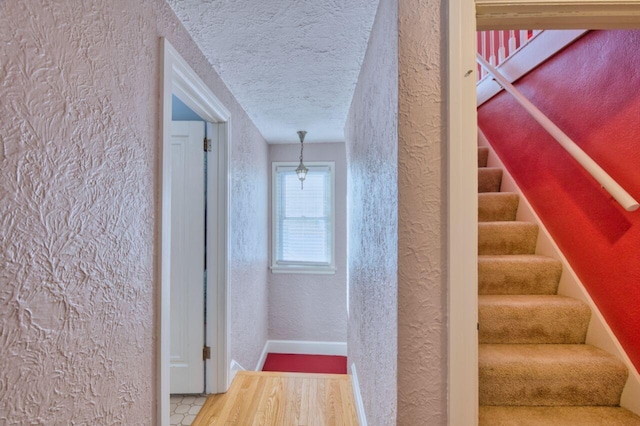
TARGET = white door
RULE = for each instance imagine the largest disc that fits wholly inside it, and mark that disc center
(187, 257)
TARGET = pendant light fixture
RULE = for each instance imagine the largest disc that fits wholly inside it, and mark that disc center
(301, 171)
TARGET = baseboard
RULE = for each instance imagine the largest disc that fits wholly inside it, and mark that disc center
(357, 397)
(301, 347)
(234, 367)
(599, 333)
(263, 356)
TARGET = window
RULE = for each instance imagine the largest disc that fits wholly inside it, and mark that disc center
(303, 219)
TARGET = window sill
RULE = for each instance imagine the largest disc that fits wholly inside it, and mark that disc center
(295, 269)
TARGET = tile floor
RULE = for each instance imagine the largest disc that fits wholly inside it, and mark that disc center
(184, 408)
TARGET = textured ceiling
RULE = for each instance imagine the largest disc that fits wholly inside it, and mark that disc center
(292, 64)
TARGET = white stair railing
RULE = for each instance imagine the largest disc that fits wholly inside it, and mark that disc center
(496, 46)
(606, 181)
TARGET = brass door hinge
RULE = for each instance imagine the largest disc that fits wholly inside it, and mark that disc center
(206, 353)
(207, 145)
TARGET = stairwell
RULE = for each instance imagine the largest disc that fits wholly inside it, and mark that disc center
(534, 365)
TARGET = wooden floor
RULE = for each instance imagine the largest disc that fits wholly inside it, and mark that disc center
(282, 399)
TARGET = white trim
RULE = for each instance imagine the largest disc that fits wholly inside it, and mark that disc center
(178, 78)
(357, 397)
(543, 45)
(294, 269)
(305, 347)
(463, 217)
(263, 356)
(188, 87)
(302, 268)
(218, 231)
(233, 369)
(599, 333)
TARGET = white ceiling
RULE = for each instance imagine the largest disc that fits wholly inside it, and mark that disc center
(292, 64)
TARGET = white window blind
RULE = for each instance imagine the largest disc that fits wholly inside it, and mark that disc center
(303, 217)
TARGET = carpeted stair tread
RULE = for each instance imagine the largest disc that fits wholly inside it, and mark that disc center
(518, 274)
(549, 375)
(497, 206)
(507, 238)
(489, 179)
(532, 319)
(483, 156)
(557, 416)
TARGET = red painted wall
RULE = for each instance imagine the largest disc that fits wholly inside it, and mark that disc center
(591, 90)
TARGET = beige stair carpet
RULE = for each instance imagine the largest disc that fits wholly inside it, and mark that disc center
(532, 319)
(549, 374)
(497, 206)
(489, 179)
(507, 238)
(534, 365)
(525, 274)
(557, 416)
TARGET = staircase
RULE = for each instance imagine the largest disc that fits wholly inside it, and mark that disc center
(534, 365)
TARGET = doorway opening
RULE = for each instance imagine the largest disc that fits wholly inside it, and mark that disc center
(181, 82)
(465, 16)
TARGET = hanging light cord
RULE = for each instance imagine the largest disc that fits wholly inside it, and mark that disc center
(301, 149)
(301, 171)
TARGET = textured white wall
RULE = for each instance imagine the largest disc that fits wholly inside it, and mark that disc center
(249, 293)
(291, 64)
(79, 202)
(308, 306)
(422, 212)
(372, 151)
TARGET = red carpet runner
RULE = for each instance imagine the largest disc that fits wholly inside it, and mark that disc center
(293, 363)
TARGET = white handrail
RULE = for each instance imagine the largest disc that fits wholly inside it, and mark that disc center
(607, 182)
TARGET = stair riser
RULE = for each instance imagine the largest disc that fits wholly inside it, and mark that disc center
(543, 324)
(507, 238)
(518, 277)
(493, 207)
(537, 390)
(549, 375)
(489, 179)
(557, 416)
(483, 155)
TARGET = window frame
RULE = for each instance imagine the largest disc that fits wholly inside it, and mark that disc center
(302, 267)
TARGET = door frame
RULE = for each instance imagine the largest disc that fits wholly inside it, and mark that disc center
(179, 78)
(463, 17)
(463, 216)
